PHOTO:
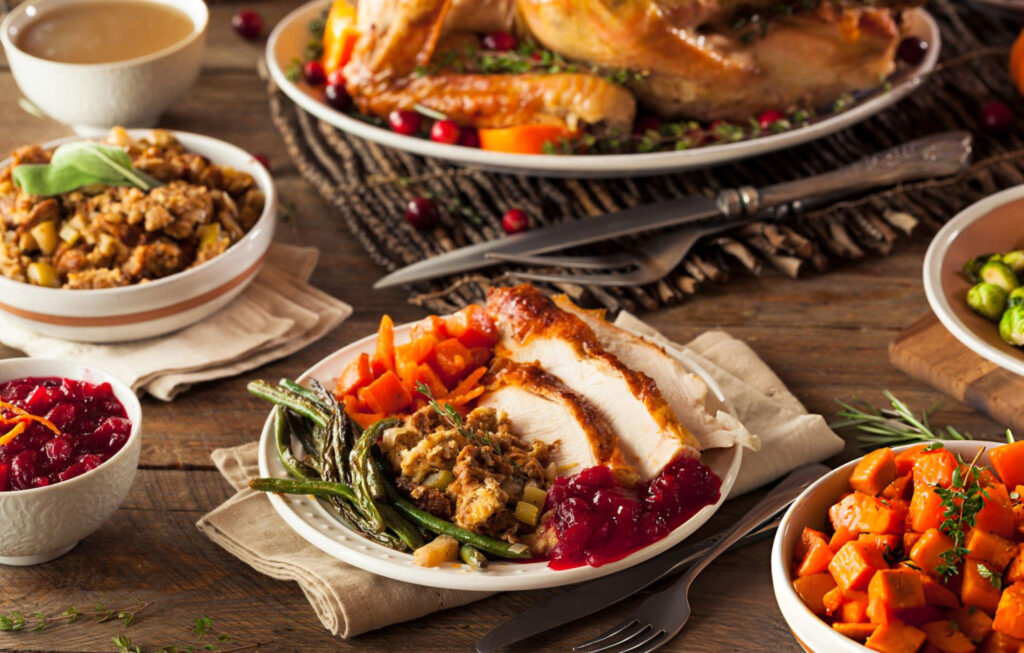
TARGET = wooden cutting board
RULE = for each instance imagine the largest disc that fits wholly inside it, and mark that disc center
(927, 351)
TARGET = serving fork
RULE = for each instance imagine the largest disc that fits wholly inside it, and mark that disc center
(663, 615)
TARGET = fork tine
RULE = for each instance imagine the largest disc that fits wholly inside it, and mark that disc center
(614, 630)
(620, 279)
(627, 641)
(656, 640)
(600, 262)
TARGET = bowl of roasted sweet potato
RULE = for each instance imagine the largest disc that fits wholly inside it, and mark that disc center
(907, 549)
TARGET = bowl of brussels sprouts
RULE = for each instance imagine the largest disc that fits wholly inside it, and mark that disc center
(974, 278)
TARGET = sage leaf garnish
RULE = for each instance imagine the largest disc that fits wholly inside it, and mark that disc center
(79, 164)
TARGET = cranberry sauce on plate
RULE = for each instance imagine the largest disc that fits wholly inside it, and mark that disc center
(598, 521)
(53, 429)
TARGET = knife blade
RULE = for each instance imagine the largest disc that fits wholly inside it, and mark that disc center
(669, 213)
(587, 598)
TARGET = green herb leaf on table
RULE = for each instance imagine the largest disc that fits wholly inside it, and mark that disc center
(79, 164)
(891, 427)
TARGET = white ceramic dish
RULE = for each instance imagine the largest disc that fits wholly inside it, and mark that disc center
(308, 517)
(92, 98)
(811, 509)
(158, 307)
(291, 35)
(44, 523)
(995, 224)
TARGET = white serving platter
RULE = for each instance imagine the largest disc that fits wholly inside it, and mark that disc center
(290, 37)
(318, 525)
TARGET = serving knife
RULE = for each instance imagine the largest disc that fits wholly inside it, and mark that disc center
(587, 598)
(938, 155)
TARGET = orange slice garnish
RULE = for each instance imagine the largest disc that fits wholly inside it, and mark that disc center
(13, 433)
(21, 412)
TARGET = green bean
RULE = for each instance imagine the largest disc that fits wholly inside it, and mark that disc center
(283, 438)
(360, 479)
(405, 531)
(473, 557)
(361, 456)
(311, 442)
(323, 489)
(288, 399)
(303, 391)
(429, 522)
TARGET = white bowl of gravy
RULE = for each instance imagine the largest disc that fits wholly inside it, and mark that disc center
(93, 64)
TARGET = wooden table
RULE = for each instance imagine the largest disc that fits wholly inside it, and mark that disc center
(825, 335)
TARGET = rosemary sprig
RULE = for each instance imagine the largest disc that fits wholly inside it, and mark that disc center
(890, 427)
(448, 413)
(961, 502)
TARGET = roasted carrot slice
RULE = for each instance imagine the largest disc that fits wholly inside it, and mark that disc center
(384, 357)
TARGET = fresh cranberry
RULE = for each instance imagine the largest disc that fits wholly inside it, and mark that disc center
(769, 118)
(24, 468)
(469, 137)
(248, 24)
(262, 159)
(590, 480)
(40, 481)
(645, 124)
(313, 73)
(912, 50)
(76, 469)
(62, 415)
(336, 77)
(4, 475)
(500, 41)
(996, 117)
(445, 131)
(514, 221)
(337, 97)
(39, 401)
(404, 122)
(58, 450)
(422, 213)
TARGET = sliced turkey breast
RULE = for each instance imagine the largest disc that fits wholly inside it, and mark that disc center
(685, 392)
(533, 329)
(540, 407)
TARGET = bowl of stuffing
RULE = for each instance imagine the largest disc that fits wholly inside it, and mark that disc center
(135, 236)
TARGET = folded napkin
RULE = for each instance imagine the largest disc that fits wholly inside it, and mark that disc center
(248, 527)
(277, 315)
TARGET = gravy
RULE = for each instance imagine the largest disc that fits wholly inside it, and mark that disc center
(103, 31)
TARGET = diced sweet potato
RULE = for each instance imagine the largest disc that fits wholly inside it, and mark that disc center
(874, 472)
(925, 508)
(946, 637)
(889, 544)
(472, 327)
(451, 360)
(905, 459)
(1008, 461)
(855, 607)
(855, 631)
(427, 376)
(977, 589)
(384, 357)
(854, 565)
(808, 537)
(927, 552)
(902, 487)
(973, 622)
(812, 591)
(996, 515)
(431, 325)
(1009, 618)
(816, 560)
(833, 600)
(997, 642)
(894, 592)
(411, 355)
(386, 395)
(896, 637)
(935, 468)
(996, 551)
(1015, 572)
(840, 537)
(356, 375)
(935, 593)
(910, 538)
(861, 513)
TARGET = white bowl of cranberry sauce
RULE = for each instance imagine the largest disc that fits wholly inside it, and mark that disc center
(69, 448)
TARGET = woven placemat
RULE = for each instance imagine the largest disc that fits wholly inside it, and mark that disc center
(371, 184)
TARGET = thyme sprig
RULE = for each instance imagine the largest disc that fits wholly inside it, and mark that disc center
(205, 632)
(15, 621)
(890, 427)
(448, 413)
(961, 502)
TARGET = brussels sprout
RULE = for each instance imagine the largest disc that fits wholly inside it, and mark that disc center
(1014, 259)
(987, 299)
(1015, 297)
(973, 266)
(1000, 274)
(1011, 326)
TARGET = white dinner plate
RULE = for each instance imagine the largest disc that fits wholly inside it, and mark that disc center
(291, 35)
(314, 522)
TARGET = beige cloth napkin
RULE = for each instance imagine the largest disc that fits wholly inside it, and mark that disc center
(277, 315)
(248, 527)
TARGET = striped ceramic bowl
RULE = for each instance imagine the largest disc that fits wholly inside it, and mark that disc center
(157, 307)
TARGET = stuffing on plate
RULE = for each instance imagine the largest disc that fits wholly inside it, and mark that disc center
(107, 236)
(475, 475)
